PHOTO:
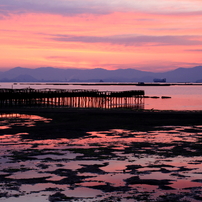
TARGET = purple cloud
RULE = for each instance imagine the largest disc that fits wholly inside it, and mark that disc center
(53, 7)
(130, 40)
(100, 7)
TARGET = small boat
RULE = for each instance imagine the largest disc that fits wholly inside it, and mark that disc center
(160, 80)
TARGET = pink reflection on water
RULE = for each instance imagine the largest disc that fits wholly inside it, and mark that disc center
(176, 102)
(181, 184)
(116, 179)
(28, 174)
(23, 116)
(39, 187)
(4, 127)
(122, 137)
(82, 192)
(9, 120)
(116, 166)
(92, 183)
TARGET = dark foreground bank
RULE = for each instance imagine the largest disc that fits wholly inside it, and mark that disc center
(73, 123)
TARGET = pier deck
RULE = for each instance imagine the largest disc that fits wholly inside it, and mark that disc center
(71, 98)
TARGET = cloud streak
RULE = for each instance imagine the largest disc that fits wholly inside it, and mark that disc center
(195, 50)
(133, 40)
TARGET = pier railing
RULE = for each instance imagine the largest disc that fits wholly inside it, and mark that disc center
(71, 98)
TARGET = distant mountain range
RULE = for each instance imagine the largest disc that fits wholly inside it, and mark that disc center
(48, 74)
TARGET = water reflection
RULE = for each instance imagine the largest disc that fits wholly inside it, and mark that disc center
(15, 119)
(116, 164)
(177, 102)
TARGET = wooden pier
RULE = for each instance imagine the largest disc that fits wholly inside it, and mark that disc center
(71, 98)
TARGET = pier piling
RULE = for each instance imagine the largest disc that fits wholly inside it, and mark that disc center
(71, 98)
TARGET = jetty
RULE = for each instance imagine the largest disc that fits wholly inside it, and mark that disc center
(77, 98)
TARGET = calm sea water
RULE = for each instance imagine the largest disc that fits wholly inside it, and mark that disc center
(183, 97)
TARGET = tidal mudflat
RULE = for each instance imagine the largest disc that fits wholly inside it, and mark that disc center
(155, 162)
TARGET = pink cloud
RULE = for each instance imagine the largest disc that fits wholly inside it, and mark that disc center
(88, 34)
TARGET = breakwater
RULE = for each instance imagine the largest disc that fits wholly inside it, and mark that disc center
(71, 98)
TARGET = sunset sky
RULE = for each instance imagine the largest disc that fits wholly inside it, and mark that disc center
(148, 35)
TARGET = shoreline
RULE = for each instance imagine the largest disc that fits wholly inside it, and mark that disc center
(72, 123)
(96, 110)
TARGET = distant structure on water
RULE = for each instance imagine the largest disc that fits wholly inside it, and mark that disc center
(160, 80)
(76, 98)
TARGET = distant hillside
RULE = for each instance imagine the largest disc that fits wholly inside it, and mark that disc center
(42, 74)
(21, 78)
